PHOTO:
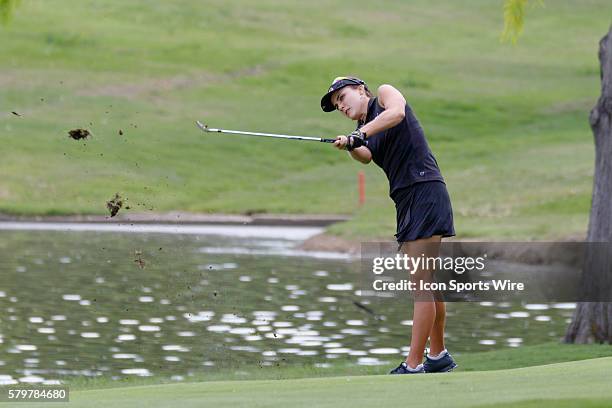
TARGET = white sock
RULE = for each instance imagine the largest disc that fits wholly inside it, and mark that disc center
(439, 356)
(417, 368)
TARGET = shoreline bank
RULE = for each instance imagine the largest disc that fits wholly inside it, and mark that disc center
(180, 217)
(544, 252)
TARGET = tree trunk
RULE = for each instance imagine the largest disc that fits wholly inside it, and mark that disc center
(592, 320)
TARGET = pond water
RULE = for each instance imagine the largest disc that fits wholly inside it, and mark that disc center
(174, 303)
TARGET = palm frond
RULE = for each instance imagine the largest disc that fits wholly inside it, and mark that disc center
(6, 9)
(514, 18)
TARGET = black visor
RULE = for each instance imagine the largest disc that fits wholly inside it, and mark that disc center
(326, 103)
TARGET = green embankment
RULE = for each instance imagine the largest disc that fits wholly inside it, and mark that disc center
(509, 125)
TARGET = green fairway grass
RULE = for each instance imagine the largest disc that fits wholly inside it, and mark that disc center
(508, 125)
(581, 383)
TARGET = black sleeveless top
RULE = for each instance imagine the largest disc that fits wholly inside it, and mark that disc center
(401, 151)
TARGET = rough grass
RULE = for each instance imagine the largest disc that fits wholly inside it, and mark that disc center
(502, 359)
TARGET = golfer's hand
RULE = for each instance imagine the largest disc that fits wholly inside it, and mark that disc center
(340, 142)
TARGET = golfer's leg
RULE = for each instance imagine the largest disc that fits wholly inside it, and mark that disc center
(436, 336)
(424, 313)
(422, 323)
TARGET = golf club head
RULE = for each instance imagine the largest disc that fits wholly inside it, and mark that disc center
(202, 126)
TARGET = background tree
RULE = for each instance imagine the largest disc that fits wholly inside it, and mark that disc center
(592, 321)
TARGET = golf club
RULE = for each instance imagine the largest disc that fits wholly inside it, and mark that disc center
(205, 128)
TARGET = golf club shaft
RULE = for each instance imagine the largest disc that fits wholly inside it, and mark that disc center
(240, 132)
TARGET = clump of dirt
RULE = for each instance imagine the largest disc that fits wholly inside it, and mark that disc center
(139, 261)
(15, 113)
(114, 205)
(120, 132)
(78, 134)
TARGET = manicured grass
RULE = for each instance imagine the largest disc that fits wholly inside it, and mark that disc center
(562, 384)
(502, 359)
(508, 124)
(547, 353)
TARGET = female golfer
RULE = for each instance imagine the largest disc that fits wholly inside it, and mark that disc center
(389, 133)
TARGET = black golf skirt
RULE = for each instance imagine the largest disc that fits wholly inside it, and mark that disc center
(423, 210)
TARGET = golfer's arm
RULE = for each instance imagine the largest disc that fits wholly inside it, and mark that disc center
(395, 110)
(362, 154)
(384, 121)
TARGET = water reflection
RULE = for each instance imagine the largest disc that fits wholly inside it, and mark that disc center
(76, 304)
